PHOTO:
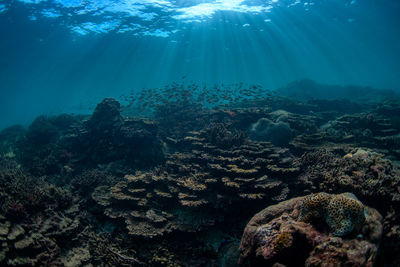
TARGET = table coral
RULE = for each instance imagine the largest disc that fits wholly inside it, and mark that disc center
(213, 179)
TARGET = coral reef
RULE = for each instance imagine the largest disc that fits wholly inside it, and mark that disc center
(148, 206)
(195, 186)
(9, 137)
(42, 150)
(365, 129)
(307, 89)
(86, 182)
(36, 242)
(220, 136)
(23, 195)
(173, 177)
(278, 236)
(368, 174)
(252, 170)
(53, 145)
(107, 137)
(106, 118)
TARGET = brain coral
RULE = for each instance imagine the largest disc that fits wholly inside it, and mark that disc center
(343, 213)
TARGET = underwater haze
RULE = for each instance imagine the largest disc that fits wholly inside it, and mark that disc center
(65, 55)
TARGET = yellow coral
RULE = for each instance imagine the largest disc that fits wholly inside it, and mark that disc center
(184, 195)
(137, 190)
(236, 169)
(252, 196)
(162, 194)
(230, 183)
(192, 184)
(193, 203)
(284, 240)
(348, 156)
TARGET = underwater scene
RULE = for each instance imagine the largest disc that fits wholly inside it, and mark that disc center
(200, 133)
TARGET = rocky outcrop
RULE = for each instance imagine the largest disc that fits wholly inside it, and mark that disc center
(279, 236)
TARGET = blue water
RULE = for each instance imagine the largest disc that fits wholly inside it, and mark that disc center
(65, 56)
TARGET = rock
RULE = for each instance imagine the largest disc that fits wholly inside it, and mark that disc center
(108, 137)
(277, 236)
(106, 116)
(279, 133)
